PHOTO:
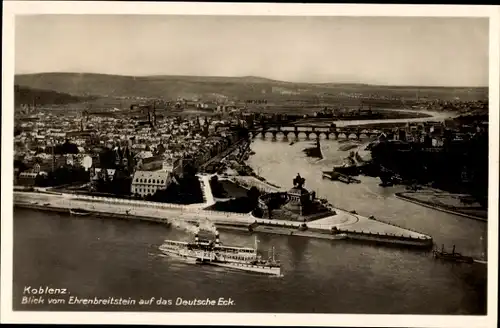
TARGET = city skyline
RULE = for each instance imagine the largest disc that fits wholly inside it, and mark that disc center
(373, 50)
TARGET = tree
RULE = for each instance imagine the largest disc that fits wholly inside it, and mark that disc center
(41, 181)
(160, 149)
(65, 148)
(20, 165)
(253, 193)
(189, 169)
(253, 196)
(107, 158)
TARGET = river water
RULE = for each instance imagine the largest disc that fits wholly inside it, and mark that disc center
(111, 258)
(93, 257)
(435, 116)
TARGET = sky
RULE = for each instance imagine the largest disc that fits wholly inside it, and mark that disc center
(374, 50)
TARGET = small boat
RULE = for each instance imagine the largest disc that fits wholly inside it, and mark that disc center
(347, 147)
(343, 178)
(79, 212)
(332, 175)
(292, 142)
(453, 256)
(347, 169)
(338, 234)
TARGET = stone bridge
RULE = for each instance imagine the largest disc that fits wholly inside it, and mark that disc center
(313, 131)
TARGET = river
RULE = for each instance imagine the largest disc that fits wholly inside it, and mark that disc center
(434, 116)
(279, 163)
(111, 258)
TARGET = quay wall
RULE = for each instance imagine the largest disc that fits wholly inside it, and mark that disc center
(162, 213)
(129, 202)
(97, 214)
(387, 238)
(381, 240)
(355, 234)
(120, 206)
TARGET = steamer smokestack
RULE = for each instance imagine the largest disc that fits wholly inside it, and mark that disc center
(196, 238)
(217, 239)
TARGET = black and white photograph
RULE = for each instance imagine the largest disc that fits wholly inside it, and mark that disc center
(245, 160)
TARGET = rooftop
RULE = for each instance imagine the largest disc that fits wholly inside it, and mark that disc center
(151, 175)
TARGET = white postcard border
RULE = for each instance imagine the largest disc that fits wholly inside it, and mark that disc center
(28, 7)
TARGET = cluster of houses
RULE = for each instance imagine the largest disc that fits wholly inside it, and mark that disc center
(152, 154)
(435, 134)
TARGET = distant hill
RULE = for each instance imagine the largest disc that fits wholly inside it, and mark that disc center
(24, 95)
(151, 86)
(243, 88)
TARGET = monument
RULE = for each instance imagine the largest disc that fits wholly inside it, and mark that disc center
(299, 198)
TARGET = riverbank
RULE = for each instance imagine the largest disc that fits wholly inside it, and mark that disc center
(436, 200)
(378, 114)
(355, 227)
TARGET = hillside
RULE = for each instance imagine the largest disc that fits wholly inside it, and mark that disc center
(151, 86)
(242, 88)
(24, 95)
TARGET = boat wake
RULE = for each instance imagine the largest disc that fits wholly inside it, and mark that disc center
(157, 255)
(277, 276)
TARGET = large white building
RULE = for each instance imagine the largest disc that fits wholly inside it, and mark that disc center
(147, 183)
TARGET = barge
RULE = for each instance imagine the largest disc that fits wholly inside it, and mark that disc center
(452, 257)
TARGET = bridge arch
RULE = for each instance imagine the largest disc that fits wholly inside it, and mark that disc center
(301, 134)
(323, 134)
(268, 134)
(280, 133)
(314, 134)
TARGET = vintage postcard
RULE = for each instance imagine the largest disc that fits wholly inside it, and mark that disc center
(258, 164)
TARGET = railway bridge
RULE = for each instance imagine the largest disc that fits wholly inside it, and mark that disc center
(315, 132)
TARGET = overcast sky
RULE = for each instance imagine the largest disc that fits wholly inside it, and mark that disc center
(376, 50)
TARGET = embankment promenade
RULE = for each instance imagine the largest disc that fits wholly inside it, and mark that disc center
(341, 223)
